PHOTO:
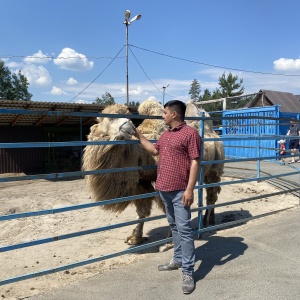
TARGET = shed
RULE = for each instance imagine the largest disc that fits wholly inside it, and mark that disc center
(29, 121)
(288, 102)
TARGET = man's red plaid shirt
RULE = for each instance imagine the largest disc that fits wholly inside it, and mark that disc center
(177, 147)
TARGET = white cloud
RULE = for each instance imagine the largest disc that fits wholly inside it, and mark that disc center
(71, 81)
(137, 91)
(57, 91)
(37, 75)
(13, 64)
(152, 98)
(37, 58)
(287, 64)
(69, 59)
(81, 101)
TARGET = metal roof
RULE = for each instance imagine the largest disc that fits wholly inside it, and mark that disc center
(34, 113)
(288, 101)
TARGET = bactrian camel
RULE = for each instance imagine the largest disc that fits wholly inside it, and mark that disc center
(116, 185)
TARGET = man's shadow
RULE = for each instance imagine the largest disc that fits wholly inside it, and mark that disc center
(217, 251)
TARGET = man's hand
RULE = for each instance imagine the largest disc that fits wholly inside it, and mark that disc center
(188, 198)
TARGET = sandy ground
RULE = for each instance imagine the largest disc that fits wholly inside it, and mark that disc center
(16, 197)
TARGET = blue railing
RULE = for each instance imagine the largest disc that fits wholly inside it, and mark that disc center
(255, 142)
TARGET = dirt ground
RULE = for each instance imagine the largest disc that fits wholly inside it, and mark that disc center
(17, 197)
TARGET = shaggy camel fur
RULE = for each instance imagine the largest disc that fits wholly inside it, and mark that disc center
(98, 157)
(213, 150)
(122, 184)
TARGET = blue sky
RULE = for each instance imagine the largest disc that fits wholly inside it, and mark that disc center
(79, 46)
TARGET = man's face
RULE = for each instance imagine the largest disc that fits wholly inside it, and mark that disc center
(168, 116)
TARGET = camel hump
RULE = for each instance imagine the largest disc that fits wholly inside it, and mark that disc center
(150, 108)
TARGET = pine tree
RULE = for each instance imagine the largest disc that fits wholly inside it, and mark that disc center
(195, 91)
(230, 84)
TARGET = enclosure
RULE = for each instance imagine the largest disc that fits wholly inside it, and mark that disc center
(51, 229)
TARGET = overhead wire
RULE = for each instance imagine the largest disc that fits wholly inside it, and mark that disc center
(144, 70)
(97, 75)
(53, 57)
(148, 50)
(215, 66)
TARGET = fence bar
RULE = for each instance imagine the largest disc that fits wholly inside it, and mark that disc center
(127, 251)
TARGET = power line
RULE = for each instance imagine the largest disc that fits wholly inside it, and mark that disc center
(52, 57)
(215, 66)
(146, 74)
(97, 75)
(143, 70)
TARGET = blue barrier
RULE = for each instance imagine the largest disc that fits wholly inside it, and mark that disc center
(253, 141)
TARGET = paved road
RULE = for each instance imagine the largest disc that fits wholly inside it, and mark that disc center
(259, 260)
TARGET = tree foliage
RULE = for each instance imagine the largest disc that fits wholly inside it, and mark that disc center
(195, 91)
(105, 100)
(13, 86)
(229, 85)
(133, 103)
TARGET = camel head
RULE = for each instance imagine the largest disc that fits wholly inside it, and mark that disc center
(193, 111)
(112, 128)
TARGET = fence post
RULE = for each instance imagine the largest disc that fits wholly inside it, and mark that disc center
(200, 177)
(258, 150)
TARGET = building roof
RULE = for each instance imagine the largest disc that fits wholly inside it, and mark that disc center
(288, 101)
(46, 113)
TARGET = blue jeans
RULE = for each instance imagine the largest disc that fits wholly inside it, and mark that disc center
(179, 218)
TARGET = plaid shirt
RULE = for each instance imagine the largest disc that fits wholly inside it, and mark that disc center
(176, 147)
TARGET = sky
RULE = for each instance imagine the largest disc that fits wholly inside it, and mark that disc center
(75, 51)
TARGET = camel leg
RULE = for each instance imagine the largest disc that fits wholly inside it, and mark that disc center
(168, 245)
(143, 209)
(211, 199)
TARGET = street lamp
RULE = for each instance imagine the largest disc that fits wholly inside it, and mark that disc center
(164, 87)
(127, 23)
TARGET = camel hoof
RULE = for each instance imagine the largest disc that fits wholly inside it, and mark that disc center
(134, 240)
(166, 247)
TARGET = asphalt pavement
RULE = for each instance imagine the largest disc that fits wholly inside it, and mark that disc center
(257, 260)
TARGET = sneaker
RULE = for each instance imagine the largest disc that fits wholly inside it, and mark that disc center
(188, 285)
(291, 162)
(172, 265)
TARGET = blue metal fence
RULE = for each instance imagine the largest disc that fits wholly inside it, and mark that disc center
(246, 134)
(247, 123)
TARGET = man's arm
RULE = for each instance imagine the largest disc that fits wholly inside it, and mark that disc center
(145, 143)
(188, 196)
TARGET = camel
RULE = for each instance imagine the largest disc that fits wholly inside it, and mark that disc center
(213, 150)
(116, 185)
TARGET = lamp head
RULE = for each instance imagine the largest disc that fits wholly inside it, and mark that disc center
(127, 15)
(137, 17)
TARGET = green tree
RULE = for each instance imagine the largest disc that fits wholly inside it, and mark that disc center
(105, 100)
(133, 103)
(229, 85)
(206, 95)
(20, 87)
(13, 86)
(195, 90)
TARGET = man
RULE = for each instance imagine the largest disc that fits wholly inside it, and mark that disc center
(178, 167)
(294, 143)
